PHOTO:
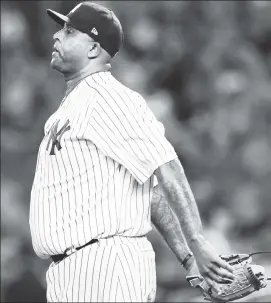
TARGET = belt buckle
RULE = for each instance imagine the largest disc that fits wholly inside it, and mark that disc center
(70, 250)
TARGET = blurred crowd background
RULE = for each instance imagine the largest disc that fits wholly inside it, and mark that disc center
(204, 68)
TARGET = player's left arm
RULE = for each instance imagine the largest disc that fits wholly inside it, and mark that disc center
(168, 225)
(175, 187)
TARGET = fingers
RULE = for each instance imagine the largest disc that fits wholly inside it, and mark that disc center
(226, 276)
(213, 276)
(218, 274)
(212, 284)
(225, 265)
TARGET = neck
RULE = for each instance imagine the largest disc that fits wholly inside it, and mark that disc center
(74, 79)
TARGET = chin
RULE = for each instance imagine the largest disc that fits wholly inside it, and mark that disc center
(55, 66)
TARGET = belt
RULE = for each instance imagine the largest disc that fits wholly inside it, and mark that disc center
(69, 251)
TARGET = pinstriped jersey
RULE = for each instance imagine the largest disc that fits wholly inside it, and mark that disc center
(94, 173)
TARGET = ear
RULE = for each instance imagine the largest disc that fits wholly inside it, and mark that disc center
(94, 51)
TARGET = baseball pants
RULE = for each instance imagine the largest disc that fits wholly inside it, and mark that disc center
(116, 269)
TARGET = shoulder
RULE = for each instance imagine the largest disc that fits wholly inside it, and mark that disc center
(84, 91)
(109, 89)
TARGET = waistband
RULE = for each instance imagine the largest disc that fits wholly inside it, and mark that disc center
(71, 250)
(140, 243)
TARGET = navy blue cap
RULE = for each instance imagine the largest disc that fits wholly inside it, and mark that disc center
(100, 23)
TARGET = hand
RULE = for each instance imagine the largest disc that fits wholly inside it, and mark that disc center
(211, 267)
(194, 273)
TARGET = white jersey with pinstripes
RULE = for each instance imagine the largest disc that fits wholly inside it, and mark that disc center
(94, 172)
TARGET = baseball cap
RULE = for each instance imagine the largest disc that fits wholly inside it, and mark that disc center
(100, 23)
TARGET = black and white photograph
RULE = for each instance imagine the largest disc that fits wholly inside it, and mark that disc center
(135, 151)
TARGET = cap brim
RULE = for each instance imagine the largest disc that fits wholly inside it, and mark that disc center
(57, 17)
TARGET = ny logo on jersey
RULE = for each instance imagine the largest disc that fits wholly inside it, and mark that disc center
(55, 136)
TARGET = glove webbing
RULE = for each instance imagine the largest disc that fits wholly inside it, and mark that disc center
(259, 253)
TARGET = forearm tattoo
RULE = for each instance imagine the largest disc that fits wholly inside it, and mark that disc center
(166, 222)
(175, 187)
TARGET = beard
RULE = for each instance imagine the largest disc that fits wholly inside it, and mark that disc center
(56, 62)
(67, 64)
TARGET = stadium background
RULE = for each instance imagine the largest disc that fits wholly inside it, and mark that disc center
(204, 67)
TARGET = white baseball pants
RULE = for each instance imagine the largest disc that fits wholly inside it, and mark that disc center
(117, 269)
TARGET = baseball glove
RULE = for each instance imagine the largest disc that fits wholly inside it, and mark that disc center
(248, 278)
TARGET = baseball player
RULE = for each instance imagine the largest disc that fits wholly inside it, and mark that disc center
(102, 155)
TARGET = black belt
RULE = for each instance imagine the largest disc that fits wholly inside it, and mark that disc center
(60, 257)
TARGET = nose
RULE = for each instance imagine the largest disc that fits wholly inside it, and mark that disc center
(57, 36)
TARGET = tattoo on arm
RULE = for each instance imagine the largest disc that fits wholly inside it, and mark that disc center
(166, 222)
(174, 185)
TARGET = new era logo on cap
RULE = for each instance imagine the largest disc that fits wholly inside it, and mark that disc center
(94, 31)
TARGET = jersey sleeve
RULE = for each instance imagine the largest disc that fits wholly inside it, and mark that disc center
(126, 130)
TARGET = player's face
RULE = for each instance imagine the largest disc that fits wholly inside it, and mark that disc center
(70, 52)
